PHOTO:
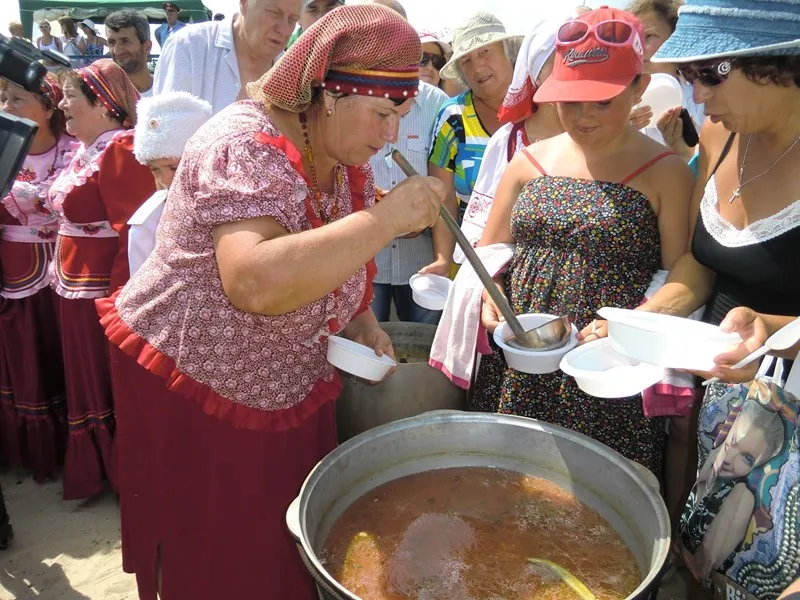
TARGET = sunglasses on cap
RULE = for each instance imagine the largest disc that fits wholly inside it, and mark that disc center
(437, 61)
(708, 74)
(612, 33)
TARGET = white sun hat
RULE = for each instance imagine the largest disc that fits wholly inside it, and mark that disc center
(480, 30)
(90, 24)
(165, 123)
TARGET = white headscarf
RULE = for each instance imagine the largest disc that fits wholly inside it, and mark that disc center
(536, 48)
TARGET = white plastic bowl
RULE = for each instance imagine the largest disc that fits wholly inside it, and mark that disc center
(430, 291)
(663, 93)
(532, 361)
(601, 371)
(666, 341)
(357, 359)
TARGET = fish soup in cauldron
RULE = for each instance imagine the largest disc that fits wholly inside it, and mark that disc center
(477, 533)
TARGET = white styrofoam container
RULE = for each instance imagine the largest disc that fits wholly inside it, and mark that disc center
(357, 359)
(430, 291)
(601, 371)
(532, 361)
(665, 340)
(663, 93)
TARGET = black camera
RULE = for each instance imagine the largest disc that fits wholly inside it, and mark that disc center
(19, 63)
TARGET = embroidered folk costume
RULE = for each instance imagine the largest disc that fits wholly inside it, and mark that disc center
(33, 421)
(94, 197)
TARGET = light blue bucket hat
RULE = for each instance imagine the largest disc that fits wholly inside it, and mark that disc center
(709, 29)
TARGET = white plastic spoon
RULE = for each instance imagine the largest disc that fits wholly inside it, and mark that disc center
(786, 337)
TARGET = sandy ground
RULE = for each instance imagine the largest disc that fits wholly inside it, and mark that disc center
(71, 550)
(61, 550)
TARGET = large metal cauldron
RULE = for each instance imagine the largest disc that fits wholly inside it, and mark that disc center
(415, 387)
(600, 477)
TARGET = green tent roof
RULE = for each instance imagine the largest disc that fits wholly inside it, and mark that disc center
(30, 10)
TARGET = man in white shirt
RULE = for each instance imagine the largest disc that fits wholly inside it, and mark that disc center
(216, 60)
(404, 257)
(128, 35)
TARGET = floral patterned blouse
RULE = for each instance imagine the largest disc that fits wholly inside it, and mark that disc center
(238, 167)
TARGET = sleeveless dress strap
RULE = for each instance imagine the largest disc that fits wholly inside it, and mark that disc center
(646, 166)
(534, 161)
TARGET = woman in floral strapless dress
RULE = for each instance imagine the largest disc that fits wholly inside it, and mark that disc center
(594, 213)
(581, 245)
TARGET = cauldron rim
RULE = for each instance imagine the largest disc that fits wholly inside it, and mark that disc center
(297, 512)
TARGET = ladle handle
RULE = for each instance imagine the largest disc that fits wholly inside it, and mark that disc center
(499, 299)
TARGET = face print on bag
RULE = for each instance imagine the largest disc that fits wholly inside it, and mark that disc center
(744, 504)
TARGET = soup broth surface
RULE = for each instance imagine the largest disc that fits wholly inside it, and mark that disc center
(467, 533)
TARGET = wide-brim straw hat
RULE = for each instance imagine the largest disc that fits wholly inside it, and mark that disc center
(480, 30)
(710, 29)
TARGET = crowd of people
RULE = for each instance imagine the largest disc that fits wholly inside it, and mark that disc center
(179, 246)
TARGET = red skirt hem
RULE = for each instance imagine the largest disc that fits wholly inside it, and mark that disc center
(212, 403)
(33, 415)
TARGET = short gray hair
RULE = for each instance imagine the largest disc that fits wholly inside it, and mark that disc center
(511, 47)
(129, 18)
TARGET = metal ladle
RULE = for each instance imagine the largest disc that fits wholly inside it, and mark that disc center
(548, 336)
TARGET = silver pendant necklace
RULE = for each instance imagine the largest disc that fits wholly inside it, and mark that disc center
(738, 191)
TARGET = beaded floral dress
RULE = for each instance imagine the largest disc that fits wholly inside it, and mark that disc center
(581, 245)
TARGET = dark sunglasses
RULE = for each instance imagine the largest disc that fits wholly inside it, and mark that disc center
(437, 61)
(613, 32)
(708, 74)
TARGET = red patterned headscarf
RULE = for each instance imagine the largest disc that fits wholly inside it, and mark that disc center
(111, 85)
(363, 49)
(51, 89)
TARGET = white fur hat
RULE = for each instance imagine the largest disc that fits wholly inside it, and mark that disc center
(165, 123)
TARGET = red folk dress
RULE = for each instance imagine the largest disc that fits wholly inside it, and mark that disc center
(226, 411)
(33, 424)
(94, 197)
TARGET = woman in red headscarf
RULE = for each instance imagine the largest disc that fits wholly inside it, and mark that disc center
(94, 197)
(225, 400)
(32, 401)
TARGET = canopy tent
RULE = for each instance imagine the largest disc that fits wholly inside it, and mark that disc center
(34, 10)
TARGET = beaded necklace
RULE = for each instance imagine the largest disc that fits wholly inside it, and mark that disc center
(316, 194)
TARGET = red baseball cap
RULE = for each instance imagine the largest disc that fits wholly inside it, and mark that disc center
(593, 69)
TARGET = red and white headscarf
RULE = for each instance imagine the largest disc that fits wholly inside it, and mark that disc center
(111, 85)
(363, 49)
(51, 89)
(537, 47)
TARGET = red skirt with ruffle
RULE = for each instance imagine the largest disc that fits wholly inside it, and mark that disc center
(90, 406)
(33, 418)
(205, 483)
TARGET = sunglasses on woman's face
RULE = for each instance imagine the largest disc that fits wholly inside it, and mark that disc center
(613, 32)
(708, 74)
(437, 61)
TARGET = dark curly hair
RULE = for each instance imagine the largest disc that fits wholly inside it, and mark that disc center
(775, 70)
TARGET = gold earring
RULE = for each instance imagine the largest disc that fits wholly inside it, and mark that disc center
(328, 112)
